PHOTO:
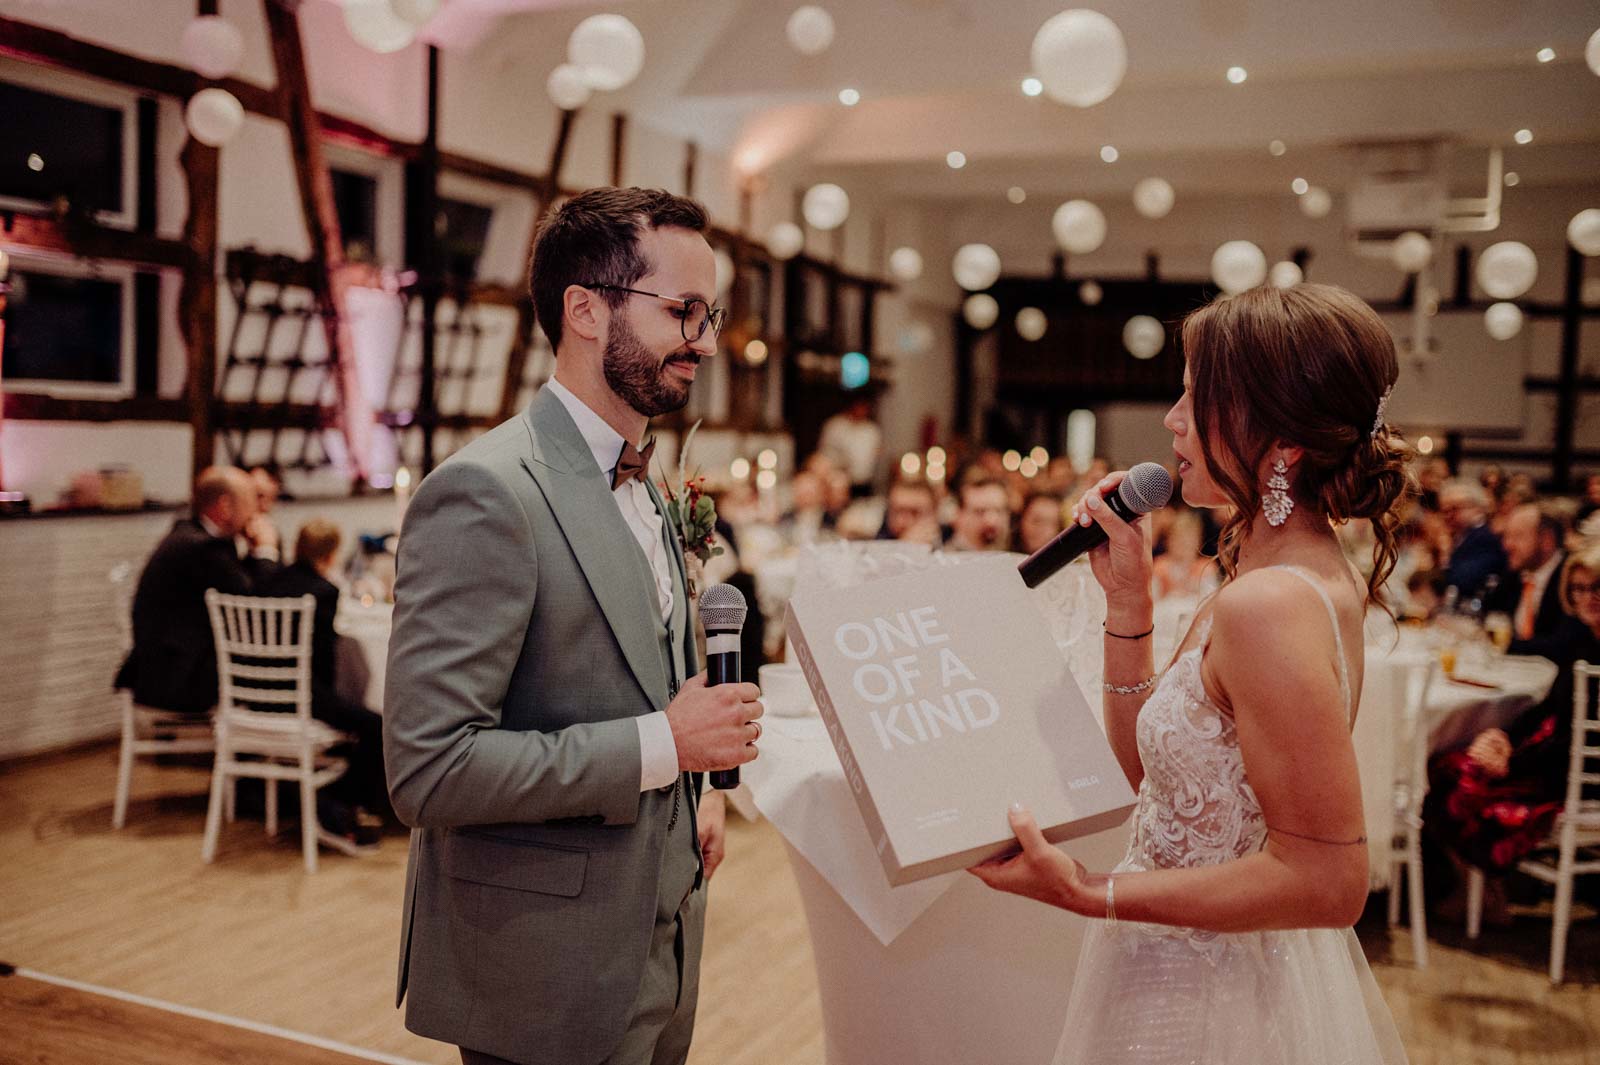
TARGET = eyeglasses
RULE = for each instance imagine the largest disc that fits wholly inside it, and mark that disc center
(694, 315)
(1576, 589)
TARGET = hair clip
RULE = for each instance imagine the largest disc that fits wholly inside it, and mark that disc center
(1383, 406)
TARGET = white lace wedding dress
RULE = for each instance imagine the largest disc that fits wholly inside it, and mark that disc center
(1159, 995)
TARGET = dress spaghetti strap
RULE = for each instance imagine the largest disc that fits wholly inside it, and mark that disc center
(1338, 637)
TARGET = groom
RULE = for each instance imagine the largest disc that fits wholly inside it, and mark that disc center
(545, 731)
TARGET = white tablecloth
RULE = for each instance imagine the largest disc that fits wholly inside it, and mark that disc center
(363, 649)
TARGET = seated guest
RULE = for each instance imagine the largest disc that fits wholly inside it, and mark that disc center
(1182, 570)
(1491, 803)
(269, 486)
(1041, 519)
(809, 520)
(362, 788)
(173, 664)
(1531, 595)
(983, 523)
(912, 514)
(1475, 551)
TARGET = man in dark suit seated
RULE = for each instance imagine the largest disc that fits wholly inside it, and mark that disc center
(173, 664)
(1476, 554)
(1531, 592)
(362, 790)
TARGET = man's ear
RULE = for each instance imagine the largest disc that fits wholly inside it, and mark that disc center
(583, 312)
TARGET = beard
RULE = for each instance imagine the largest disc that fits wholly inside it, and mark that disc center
(639, 376)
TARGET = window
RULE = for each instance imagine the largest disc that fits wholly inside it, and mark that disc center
(69, 329)
(355, 197)
(65, 138)
(463, 232)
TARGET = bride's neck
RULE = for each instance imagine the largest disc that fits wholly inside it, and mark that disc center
(1306, 537)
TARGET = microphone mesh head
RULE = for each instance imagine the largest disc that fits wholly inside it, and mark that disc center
(722, 606)
(1147, 487)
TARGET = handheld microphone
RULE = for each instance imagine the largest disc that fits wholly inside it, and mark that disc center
(1147, 487)
(722, 613)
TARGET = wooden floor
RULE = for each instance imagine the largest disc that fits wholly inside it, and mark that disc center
(253, 937)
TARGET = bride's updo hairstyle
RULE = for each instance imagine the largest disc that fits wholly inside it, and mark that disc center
(1306, 365)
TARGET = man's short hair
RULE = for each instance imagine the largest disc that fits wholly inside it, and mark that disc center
(593, 238)
(319, 538)
(979, 478)
(907, 484)
(214, 484)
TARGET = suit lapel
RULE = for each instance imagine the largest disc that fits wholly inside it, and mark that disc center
(583, 506)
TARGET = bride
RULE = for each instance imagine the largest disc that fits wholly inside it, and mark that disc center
(1226, 934)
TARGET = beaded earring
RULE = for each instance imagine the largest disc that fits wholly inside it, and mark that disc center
(1278, 502)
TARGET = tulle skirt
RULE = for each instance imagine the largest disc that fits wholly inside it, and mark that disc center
(1159, 996)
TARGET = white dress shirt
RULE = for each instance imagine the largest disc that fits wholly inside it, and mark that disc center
(658, 753)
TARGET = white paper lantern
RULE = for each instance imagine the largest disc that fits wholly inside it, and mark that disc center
(1031, 323)
(980, 311)
(1506, 270)
(608, 49)
(1316, 203)
(724, 266)
(1411, 252)
(1079, 56)
(905, 263)
(416, 12)
(1238, 265)
(1153, 197)
(785, 240)
(1503, 320)
(567, 87)
(1079, 227)
(810, 30)
(975, 266)
(1285, 274)
(1591, 52)
(916, 338)
(213, 116)
(375, 26)
(825, 206)
(212, 46)
(1144, 336)
(1090, 293)
(1583, 232)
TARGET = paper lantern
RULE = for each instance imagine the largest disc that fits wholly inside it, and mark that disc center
(1506, 270)
(980, 311)
(810, 30)
(1503, 320)
(1031, 323)
(1079, 227)
(375, 26)
(1238, 265)
(1316, 203)
(1411, 252)
(1144, 336)
(1079, 56)
(1285, 275)
(212, 46)
(416, 12)
(1591, 52)
(1583, 232)
(567, 87)
(608, 49)
(213, 116)
(1153, 197)
(916, 338)
(1090, 293)
(825, 206)
(905, 263)
(785, 240)
(975, 266)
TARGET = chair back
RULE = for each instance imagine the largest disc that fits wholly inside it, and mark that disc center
(122, 588)
(263, 659)
(1584, 766)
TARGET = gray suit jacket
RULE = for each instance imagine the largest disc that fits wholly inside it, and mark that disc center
(523, 648)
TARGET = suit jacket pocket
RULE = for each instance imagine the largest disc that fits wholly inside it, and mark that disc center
(516, 864)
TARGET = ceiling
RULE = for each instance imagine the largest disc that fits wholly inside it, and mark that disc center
(942, 75)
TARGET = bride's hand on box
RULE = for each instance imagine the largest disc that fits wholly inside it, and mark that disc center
(1122, 565)
(1038, 871)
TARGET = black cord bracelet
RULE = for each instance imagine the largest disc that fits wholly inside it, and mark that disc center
(1120, 636)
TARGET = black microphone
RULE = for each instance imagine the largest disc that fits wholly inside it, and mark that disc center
(722, 613)
(1147, 487)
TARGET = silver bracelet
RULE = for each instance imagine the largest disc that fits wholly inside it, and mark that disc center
(1132, 689)
(1111, 900)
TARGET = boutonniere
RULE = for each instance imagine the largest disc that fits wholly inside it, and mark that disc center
(693, 514)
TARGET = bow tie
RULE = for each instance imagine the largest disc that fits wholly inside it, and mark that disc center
(632, 463)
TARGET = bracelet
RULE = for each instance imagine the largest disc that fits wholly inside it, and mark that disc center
(1111, 900)
(1132, 689)
(1120, 636)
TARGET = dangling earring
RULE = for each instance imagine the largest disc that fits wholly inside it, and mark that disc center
(1278, 503)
